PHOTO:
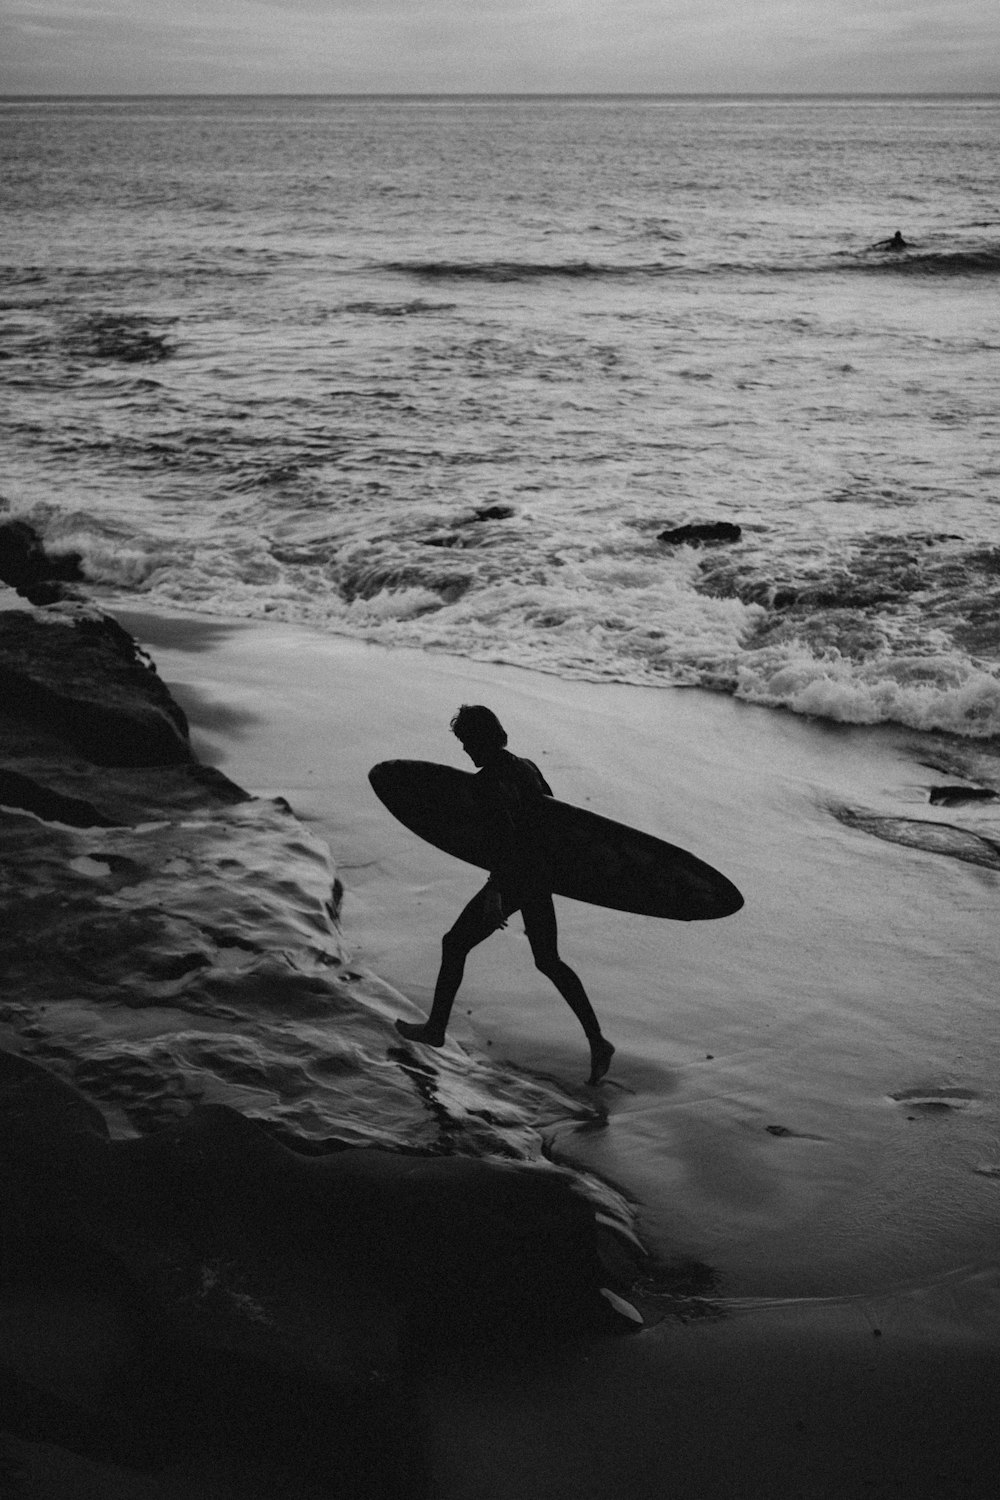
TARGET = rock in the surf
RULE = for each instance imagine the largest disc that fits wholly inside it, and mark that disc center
(28, 568)
(954, 796)
(701, 534)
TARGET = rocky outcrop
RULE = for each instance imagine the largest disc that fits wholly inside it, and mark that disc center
(206, 1307)
(185, 1281)
(28, 568)
(34, 796)
(701, 534)
(234, 1296)
(75, 680)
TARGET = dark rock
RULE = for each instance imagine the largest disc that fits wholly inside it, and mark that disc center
(77, 684)
(64, 789)
(17, 790)
(495, 513)
(443, 1246)
(51, 592)
(483, 513)
(34, 1101)
(954, 796)
(215, 1321)
(202, 1288)
(93, 919)
(24, 563)
(253, 1297)
(82, 680)
(701, 533)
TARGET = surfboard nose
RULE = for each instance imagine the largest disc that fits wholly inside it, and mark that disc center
(378, 777)
(730, 900)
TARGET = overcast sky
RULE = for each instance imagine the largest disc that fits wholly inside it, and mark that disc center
(390, 46)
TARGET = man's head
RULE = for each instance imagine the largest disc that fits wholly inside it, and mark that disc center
(480, 731)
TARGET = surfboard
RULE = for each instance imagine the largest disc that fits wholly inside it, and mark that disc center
(592, 858)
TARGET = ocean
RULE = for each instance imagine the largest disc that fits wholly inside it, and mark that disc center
(442, 372)
(446, 374)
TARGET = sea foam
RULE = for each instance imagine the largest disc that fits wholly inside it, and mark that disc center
(942, 693)
(604, 608)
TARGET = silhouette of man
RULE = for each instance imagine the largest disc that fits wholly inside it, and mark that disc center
(511, 789)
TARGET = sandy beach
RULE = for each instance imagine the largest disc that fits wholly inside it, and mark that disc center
(804, 1100)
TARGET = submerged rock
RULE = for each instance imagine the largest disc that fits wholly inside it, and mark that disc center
(701, 533)
(494, 513)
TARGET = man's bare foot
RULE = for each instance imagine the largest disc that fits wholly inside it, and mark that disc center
(417, 1032)
(601, 1053)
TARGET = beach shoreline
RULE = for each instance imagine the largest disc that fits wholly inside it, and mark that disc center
(828, 1374)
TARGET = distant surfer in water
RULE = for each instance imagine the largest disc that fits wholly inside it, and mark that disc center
(511, 789)
(896, 243)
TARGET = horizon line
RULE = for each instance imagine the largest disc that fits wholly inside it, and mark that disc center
(519, 94)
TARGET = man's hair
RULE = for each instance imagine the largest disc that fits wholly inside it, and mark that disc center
(479, 724)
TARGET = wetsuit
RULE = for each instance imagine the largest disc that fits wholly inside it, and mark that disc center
(512, 790)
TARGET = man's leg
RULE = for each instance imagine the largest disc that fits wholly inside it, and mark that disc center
(540, 925)
(473, 927)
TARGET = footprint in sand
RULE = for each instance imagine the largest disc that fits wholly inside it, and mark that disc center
(935, 1101)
